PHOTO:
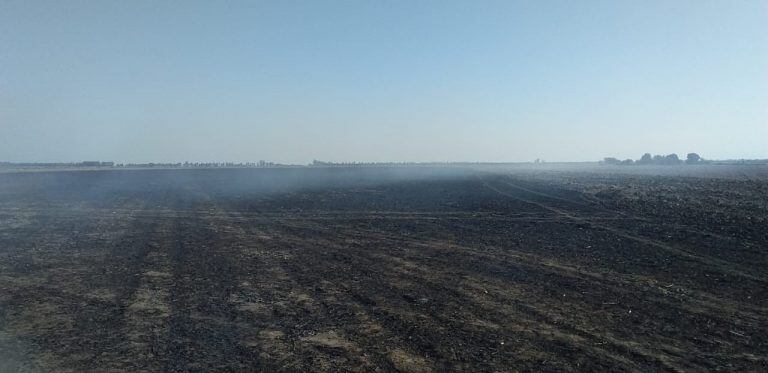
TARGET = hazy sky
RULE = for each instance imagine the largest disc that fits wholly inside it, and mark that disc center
(292, 81)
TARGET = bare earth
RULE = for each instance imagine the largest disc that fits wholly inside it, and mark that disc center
(417, 270)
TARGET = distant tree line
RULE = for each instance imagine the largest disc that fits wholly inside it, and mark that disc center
(648, 159)
(316, 163)
(58, 164)
(204, 165)
(100, 164)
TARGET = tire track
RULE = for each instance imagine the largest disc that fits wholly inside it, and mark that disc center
(203, 327)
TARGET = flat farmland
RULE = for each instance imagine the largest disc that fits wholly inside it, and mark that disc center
(410, 269)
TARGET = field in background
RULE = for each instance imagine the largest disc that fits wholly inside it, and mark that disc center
(411, 269)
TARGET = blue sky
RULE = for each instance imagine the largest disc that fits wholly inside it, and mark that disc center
(292, 81)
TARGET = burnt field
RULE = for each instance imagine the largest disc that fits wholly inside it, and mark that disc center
(412, 269)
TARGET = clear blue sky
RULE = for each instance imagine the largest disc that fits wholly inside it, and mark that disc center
(291, 81)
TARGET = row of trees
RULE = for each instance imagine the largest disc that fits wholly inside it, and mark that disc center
(58, 164)
(317, 163)
(203, 164)
(647, 158)
(141, 165)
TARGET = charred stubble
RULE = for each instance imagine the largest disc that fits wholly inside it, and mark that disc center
(183, 272)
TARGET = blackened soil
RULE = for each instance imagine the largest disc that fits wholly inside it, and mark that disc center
(329, 270)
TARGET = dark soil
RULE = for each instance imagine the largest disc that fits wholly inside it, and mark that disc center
(383, 270)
